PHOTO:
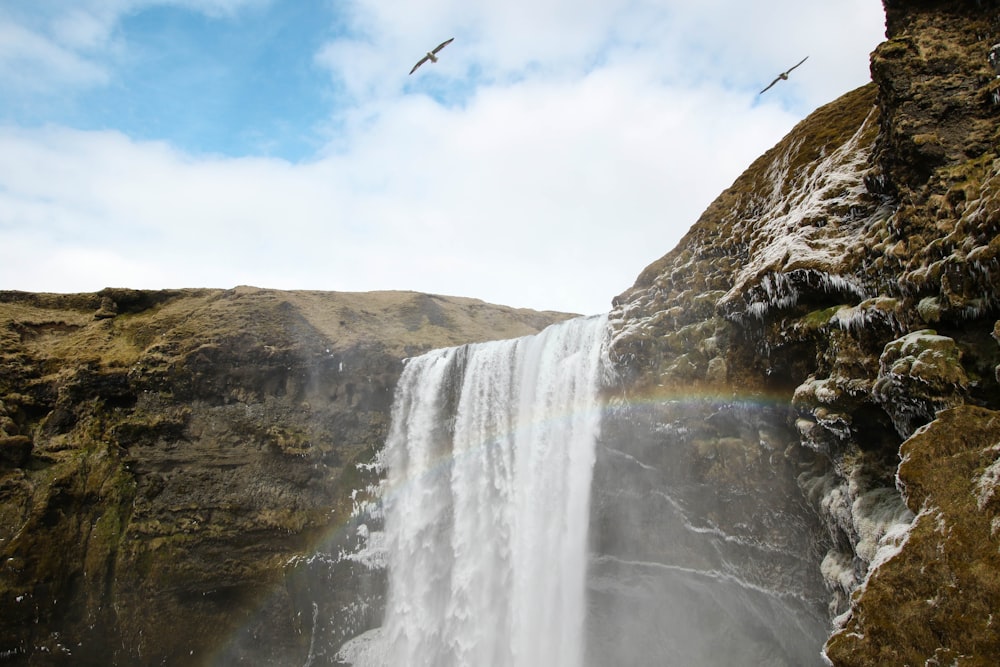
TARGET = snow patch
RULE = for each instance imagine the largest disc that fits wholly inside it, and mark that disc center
(871, 312)
(794, 233)
(879, 517)
(838, 571)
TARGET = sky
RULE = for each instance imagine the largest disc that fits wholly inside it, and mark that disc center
(555, 149)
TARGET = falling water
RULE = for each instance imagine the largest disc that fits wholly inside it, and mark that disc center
(490, 459)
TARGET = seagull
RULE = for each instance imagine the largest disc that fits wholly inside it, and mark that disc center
(430, 54)
(783, 76)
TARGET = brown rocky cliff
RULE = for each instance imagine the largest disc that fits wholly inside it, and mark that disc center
(850, 279)
(171, 464)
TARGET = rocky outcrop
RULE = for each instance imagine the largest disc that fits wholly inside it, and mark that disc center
(850, 280)
(932, 598)
(179, 469)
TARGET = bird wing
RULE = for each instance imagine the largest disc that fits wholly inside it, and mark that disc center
(796, 64)
(783, 75)
(443, 44)
(419, 63)
(769, 86)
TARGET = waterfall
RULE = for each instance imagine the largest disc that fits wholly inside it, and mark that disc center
(489, 463)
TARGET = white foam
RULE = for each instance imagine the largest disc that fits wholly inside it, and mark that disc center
(489, 461)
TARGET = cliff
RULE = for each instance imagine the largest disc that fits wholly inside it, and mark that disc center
(833, 316)
(178, 468)
(807, 406)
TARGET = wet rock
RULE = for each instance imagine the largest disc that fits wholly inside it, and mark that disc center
(919, 374)
(932, 594)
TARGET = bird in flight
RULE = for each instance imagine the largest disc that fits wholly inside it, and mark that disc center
(431, 54)
(783, 76)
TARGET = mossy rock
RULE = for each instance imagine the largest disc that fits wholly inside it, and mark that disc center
(934, 601)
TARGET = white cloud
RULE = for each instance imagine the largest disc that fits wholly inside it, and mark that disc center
(739, 43)
(30, 61)
(546, 196)
(589, 140)
(46, 45)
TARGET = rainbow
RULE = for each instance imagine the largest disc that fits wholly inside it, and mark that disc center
(649, 403)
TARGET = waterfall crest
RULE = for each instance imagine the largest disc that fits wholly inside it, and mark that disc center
(489, 463)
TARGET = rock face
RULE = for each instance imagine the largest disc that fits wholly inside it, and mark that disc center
(832, 319)
(934, 600)
(178, 469)
(806, 408)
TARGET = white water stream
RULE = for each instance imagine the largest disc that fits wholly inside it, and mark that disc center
(489, 463)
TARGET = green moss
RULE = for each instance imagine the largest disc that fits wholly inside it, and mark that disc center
(817, 319)
(937, 597)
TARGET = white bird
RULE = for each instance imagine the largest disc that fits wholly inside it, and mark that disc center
(783, 76)
(430, 54)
